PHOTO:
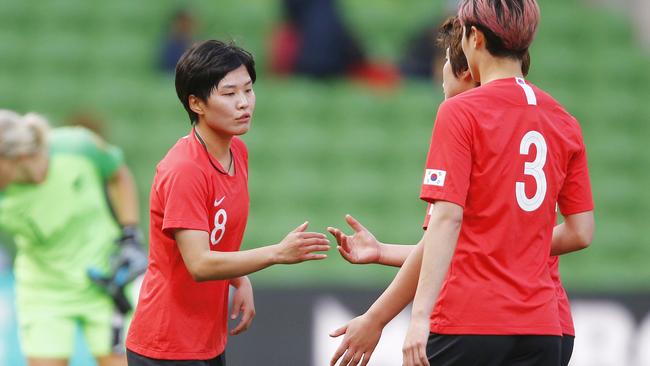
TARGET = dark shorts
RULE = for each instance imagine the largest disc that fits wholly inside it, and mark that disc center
(493, 350)
(134, 359)
(567, 349)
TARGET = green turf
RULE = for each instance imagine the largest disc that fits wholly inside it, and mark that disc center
(320, 150)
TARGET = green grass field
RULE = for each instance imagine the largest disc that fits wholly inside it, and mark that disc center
(320, 150)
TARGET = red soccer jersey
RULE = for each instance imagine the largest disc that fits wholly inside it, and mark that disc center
(566, 320)
(177, 318)
(508, 153)
(564, 308)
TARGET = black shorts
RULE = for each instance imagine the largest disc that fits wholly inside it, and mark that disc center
(493, 350)
(567, 348)
(134, 359)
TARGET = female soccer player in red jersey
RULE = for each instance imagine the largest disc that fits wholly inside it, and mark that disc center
(362, 247)
(199, 207)
(502, 156)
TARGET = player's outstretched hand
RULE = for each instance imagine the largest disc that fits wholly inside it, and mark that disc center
(242, 304)
(300, 245)
(361, 338)
(358, 248)
(414, 351)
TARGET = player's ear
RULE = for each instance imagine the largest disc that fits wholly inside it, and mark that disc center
(196, 104)
(465, 76)
(476, 38)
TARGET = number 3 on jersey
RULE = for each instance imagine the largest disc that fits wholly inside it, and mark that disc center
(534, 169)
(220, 219)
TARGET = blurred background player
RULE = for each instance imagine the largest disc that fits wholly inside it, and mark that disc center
(199, 209)
(315, 40)
(574, 234)
(54, 186)
(179, 37)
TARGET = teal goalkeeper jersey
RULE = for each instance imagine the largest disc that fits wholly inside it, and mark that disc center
(64, 225)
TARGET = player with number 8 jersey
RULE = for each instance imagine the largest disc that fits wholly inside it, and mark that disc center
(199, 208)
(180, 198)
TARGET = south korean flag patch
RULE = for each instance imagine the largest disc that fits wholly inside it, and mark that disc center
(434, 177)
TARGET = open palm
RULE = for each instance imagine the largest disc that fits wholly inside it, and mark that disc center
(359, 248)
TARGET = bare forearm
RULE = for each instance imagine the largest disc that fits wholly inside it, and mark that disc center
(205, 264)
(214, 265)
(394, 254)
(438, 248)
(123, 195)
(401, 291)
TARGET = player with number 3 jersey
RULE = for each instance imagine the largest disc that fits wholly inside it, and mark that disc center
(503, 156)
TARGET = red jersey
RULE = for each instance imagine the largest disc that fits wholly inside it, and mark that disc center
(508, 153)
(566, 320)
(564, 308)
(177, 318)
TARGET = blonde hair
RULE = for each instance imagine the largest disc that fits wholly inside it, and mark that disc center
(22, 135)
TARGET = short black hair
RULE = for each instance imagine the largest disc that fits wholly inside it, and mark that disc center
(202, 66)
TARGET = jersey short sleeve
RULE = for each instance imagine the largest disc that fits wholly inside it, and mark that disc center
(105, 157)
(575, 195)
(449, 161)
(183, 191)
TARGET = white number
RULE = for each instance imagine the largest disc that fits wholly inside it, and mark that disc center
(533, 169)
(220, 219)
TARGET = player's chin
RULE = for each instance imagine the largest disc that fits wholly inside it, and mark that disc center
(240, 128)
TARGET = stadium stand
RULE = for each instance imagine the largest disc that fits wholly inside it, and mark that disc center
(318, 150)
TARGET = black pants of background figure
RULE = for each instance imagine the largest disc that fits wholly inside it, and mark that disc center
(134, 359)
(567, 349)
(493, 350)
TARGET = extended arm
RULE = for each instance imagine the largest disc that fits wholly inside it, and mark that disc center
(394, 254)
(205, 264)
(362, 247)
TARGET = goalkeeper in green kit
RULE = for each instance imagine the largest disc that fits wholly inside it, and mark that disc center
(70, 205)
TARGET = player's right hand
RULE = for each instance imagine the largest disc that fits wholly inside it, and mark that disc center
(299, 246)
(130, 259)
(361, 338)
(358, 248)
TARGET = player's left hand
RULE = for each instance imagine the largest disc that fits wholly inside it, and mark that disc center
(414, 351)
(242, 304)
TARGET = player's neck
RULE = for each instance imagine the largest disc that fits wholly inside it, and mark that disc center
(495, 68)
(217, 145)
